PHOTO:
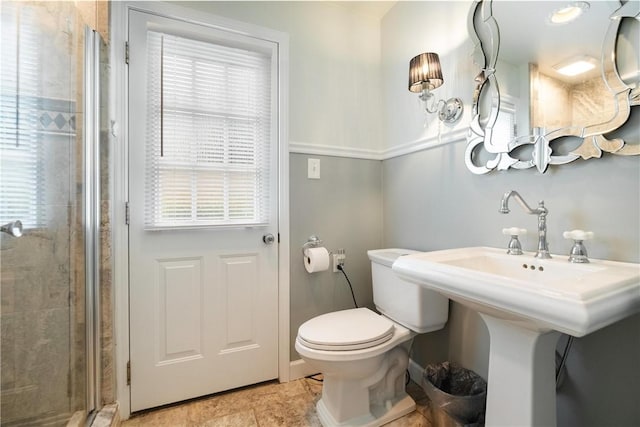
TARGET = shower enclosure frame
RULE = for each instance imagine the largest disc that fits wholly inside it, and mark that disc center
(91, 144)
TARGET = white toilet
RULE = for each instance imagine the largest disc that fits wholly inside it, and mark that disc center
(362, 355)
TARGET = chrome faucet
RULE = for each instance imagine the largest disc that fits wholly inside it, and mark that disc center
(541, 211)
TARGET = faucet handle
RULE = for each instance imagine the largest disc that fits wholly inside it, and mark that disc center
(578, 253)
(514, 244)
(514, 231)
(578, 235)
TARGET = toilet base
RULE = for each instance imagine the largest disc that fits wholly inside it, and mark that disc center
(378, 416)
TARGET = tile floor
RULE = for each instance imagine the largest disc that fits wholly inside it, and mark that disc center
(264, 405)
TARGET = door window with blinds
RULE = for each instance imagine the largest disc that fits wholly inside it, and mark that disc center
(209, 130)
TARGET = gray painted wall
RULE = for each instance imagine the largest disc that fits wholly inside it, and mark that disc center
(432, 202)
(344, 209)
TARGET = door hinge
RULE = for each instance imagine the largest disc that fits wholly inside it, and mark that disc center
(129, 372)
(127, 215)
(126, 53)
(278, 237)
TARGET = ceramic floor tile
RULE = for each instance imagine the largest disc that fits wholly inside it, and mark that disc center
(414, 419)
(314, 386)
(292, 388)
(298, 410)
(423, 407)
(227, 403)
(175, 416)
(239, 419)
(264, 405)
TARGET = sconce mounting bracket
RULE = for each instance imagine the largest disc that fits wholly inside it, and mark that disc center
(451, 110)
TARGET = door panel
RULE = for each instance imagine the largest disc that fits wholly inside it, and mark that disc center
(203, 301)
(180, 291)
(239, 280)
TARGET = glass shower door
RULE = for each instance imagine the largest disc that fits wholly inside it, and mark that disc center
(47, 374)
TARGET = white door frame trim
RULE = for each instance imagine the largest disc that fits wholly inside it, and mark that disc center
(118, 114)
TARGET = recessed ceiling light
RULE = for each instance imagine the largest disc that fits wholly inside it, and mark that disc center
(568, 13)
(575, 66)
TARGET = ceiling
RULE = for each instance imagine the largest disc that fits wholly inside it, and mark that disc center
(375, 9)
(525, 35)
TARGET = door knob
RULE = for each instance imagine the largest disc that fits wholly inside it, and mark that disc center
(268, 238)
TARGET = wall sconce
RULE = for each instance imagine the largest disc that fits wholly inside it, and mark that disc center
(425, 74)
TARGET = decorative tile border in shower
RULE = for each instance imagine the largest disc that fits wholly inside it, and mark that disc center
(55, 116)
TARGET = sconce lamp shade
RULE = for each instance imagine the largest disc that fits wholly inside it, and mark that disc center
(425, 72)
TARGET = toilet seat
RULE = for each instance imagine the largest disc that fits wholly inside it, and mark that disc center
(354, 329)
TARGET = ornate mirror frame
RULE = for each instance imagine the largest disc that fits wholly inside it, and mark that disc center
(594, 142)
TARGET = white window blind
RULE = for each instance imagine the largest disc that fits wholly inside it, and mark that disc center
(208, 134)
(21, 154)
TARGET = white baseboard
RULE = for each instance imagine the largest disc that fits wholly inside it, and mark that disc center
(415, 372)
(300, 369)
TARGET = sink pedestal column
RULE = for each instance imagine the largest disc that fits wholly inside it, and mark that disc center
(521, 387)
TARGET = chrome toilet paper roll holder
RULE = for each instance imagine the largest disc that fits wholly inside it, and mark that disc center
(312, 242)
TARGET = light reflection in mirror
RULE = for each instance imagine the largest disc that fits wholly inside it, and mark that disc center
(521, 99)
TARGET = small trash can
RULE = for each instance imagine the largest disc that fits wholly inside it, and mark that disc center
(458, 396)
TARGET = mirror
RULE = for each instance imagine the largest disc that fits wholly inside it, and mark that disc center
(525, 113)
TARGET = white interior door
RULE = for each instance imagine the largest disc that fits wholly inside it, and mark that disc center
(202, 195)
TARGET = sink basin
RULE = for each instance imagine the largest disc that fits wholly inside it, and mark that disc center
(576, 299)
(526, 302)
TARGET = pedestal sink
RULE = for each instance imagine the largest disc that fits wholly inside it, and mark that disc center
(526, 303)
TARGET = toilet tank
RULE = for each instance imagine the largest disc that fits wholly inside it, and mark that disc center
(417, 308)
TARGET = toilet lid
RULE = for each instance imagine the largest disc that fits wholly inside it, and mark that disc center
(346, 330)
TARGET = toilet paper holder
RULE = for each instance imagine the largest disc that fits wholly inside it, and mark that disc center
(312, 242)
